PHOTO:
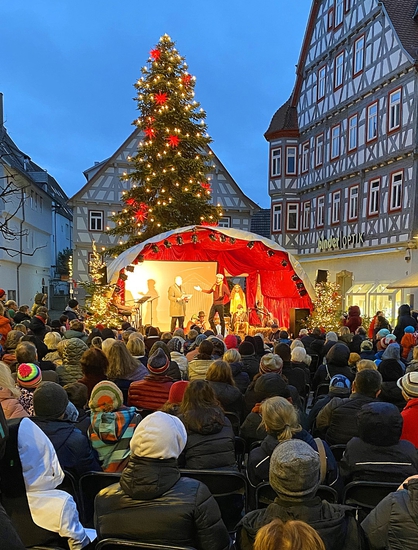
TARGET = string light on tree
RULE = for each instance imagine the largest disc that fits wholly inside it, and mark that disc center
(168, 175)
(327, 310)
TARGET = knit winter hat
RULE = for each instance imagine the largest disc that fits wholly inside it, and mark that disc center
(387, 340)
(366, 345)
(382, 333)
(175, 344)
(380, 424)
(230, 341)
(158, 362)
(246, 348)
(271, 363)
(105, 397)
(50, 400)
(409, 330)
(295, 469)
(159, 435)
(176, 393)
(2, 293)
(409, 384)
(29, 375)
(339, 381)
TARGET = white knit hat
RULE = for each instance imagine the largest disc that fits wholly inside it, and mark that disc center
(159, 435)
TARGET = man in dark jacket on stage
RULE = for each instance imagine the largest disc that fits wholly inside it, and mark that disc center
(153, 503)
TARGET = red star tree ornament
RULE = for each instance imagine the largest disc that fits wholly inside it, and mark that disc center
(142, 213)
(206, 186)
(173, 140)
(130, 202)
(160, 98)
(149, 132)
(186, 79)
(155, 54)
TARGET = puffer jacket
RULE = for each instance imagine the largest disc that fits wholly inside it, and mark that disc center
(10, 405)
(154, 504)
(212, 447)
(75, 334)
(70, 370)
(181, 361)
(250, 365)
(393, 523)
(242, 379)
(53, 356)
(336, 363)
(228, 396)
(335, 523)
(198, 368)
(150, 393)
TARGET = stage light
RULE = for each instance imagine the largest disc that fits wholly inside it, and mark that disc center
(155, 248)
(222, 238)
(270, 253)
(195, 240)
(123, 277)
(212, 237)
(167, 244)
(232, 240)
(295, 277)
(250, 244)
(179, 240)
(130, 268)
(139, 259)
(300, 286)
(302, 293)
(284, 263)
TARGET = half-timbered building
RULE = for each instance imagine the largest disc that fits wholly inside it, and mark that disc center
(100, 198)
(343, 151)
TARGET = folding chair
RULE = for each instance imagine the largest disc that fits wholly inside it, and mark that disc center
(322, 389)
(240, 452)
(89, 486)
(265, 494)
(338, 451)
(235, 421)
(366, 495)
(120, 544)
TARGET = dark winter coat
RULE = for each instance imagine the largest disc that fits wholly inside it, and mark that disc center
(229, 397)
(296, 377)
(393, 523)
(250, 365)
(73, 448)
(392, 394)
(242, 380)
(405, 319)
(20, 316)
(38, 327)
(212, 447)
(252, 429)
(263, 386)
(334, 523)
(154, 504)
(337, 363)
(259, 459)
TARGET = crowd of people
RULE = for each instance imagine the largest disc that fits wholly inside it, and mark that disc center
(147, 405)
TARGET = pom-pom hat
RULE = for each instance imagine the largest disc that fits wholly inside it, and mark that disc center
(29, 375)
(409, 384)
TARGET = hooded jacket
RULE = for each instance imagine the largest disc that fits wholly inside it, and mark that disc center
(38, 326)
(250, 365)
(334, 523)
(405, 319)
(228, 396)
(70, 370)
(10, 405)
(5, 328)
(353, 320)
(154, 504)
(242, 380)
(410, 422)
(70, 333)
(336, 363)
(393, 523)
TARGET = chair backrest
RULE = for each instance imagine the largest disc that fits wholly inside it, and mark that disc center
(265, 494)
(367, 494)
(120, 544)
(338, 451)
(89, 486)
(322, 389)
(240, 451)
(235, 421)
(314, 362)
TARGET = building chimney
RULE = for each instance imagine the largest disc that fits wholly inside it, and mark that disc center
(1, 110)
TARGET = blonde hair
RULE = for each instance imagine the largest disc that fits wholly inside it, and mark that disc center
(6, 380)
(292, 535)
(121, 362)
(415, 353)
(136, 347)
(107, 344)
(344, 330)
(280, 418)
(52, 339)
(232, 356)
(365, 364)
(136, 335)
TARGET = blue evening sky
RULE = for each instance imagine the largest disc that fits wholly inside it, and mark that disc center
(68, 68)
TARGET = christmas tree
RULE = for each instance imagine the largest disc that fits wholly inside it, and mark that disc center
(326, 313)
(169, 187)
(99, 295)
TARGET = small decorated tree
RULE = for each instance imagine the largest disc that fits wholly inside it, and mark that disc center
(326, 313)
(99, 295)
(169, 186)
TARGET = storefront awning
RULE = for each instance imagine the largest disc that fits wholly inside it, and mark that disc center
(411, 281)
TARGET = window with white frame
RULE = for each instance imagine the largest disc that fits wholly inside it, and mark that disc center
(352, 132)
(330, 22)
(276, 162)
(225, 222)
(339, 13)
(358, 58)
(336, 206)
(291, 153)
(353, 203)
(321, 83)
(305, 157)
(306, 215)
(395, 110)
(335, 141)
(292, 217)
(339, 70)
(96, 220)
(374, 192)
(319, 150)
(277, 218)
(372, 122)
(396, 191)
(320, 211)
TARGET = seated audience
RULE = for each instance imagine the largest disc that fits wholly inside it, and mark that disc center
(198, 366)
(220, 379)
(336, 362)
(10, 394)
(22, 314)
(339, 386)
(175, 397)
(413, 364)
(409, 386)
(153, 503)
(112, 426)
(295, 478)
(9, 348)
(136, 348)
(377, 454)
(391, 371)
(294, 374)
(366, 350)
(123, 369)
(74, 452)
(78, 396)
(210, 437)
(71, 351)
(408, 341)
(28, 378)
(51, 340)
(175, 347)
(173, 369)
(76, 330)
(292, 535)
(338, 419)
(249, 361)
(152, 392)
(94, 365)
(233, 357)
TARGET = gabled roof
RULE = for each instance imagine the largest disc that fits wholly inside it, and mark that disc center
(284, 122)
(402, 14)
(11, 155)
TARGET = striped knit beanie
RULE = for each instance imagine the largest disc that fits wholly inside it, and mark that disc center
(105, 397)
(158, 362)
(29, 375)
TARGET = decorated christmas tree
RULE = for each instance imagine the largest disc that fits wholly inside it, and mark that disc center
(327, 308)
(99, 295)
(168, 184)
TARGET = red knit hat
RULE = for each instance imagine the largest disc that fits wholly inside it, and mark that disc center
(2, 293)
(176, 393)
(231, 341)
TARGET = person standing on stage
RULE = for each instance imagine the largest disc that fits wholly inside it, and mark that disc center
(177, 304)
(220, 292)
